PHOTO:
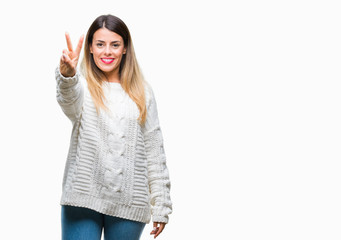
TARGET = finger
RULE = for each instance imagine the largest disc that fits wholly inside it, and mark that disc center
(154, 228)
(66, 58)
(159, 230)
(68, 41)
(67, 54)
(67, 61)
(79, 46)
(63, 58)
(62, 61)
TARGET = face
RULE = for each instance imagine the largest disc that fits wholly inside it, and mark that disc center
(107, 49)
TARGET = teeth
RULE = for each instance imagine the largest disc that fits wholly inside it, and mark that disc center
(107, 60)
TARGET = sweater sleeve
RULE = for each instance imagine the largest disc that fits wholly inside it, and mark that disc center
(158, 175)
(70, 94)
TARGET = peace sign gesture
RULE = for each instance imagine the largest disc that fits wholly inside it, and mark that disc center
(69, 59)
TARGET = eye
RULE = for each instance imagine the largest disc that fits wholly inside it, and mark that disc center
(116, 45)
(99, 44)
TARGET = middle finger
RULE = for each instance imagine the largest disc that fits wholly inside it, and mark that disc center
(79, 46)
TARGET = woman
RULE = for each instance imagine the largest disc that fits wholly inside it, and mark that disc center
(115, 175)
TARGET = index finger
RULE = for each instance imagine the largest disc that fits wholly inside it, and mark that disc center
(68, 41)
(79, 45)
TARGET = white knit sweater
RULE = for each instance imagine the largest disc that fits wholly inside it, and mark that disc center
(114, 165)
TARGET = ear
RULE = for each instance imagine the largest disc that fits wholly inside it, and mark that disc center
(90, 47)
(125, 50)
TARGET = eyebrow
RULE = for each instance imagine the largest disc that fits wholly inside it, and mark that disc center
(111, 42)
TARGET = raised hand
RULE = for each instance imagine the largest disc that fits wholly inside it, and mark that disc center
(69, 59)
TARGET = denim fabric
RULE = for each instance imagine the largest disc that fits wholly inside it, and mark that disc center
(85, 224)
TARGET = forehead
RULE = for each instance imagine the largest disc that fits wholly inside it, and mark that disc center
(106, 35)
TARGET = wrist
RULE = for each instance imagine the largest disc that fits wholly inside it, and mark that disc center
(68, 74)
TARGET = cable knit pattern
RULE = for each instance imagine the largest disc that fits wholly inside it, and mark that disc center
(114, 165)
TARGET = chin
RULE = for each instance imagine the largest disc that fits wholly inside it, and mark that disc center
(107, 70)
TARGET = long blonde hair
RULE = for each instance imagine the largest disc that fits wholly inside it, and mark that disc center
(130, 74)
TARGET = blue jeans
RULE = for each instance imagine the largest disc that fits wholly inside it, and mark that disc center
(85, 224)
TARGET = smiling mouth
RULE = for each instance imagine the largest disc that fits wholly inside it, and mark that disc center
(107, 60)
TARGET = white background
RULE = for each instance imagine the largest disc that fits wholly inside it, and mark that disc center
(249, 98)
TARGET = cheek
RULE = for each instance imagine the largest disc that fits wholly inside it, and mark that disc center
(119, 53)
(96, 53)
(96, 56)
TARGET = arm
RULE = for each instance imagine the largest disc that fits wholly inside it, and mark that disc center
(70, 91)
(70, 94)
(158, 175)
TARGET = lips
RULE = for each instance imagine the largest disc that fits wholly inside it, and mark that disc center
(107, 60)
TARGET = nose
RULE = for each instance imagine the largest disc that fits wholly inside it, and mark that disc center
(107, 50)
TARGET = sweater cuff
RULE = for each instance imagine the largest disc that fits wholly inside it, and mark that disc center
(163, 219)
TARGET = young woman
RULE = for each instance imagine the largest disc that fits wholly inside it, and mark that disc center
(115, 177)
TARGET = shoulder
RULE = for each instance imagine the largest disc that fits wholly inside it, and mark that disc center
(149, 93)
(148, 88)
(83, 80)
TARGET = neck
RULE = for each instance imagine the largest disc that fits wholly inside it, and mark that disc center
(113, 77)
